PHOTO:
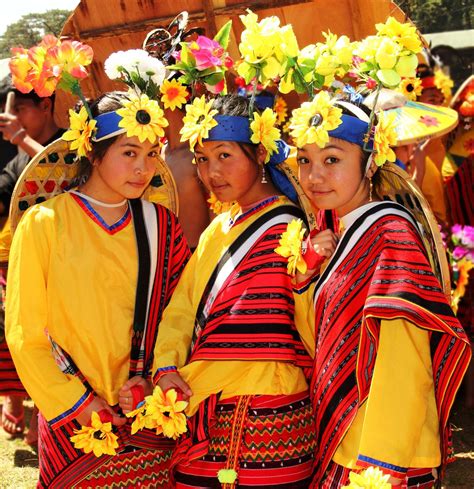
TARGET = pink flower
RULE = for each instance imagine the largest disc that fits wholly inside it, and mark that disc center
(207, 52)
(427, 120)
(370, 84)
(459, 252)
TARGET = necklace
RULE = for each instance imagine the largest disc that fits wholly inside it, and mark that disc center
(98, 202)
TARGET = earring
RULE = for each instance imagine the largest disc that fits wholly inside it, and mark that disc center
(371, 185)
(264, 177)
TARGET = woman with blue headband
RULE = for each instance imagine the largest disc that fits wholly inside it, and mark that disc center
(228, 339)
(388, 353)
(92, 270)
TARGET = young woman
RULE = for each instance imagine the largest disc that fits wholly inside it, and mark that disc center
(228, 340)
(91, 272)
(388, 352)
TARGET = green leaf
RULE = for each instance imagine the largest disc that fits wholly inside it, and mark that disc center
(388, 78)
(214, 79)
(223, 36)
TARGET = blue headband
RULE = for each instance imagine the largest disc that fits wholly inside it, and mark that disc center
(237, 129)
(107, 126)
(352, 130)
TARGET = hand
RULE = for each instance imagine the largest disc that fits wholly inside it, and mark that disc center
(324, 243)
(174, 381)
(395, 482)
(84, 417)
(11, 128)
(126, 395)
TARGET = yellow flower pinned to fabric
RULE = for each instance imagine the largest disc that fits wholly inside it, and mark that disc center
(444, 83)
(173, 94)
(97, 438)
(217, 206)
(371, 478)
(140, 420)
(165, 413)
(311, 122)
(384, 137)
(81, 129)
(411, 88)
(464, 266)
(290, 247)
(281, 109)
(227, 476)
(404, 34)
(143, 118)
(264, 131)
(198, 121)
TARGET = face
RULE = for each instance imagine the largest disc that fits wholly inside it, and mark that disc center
(332, 176)
(33, 117)
(432, 96)
(126, 169)
(228, 172)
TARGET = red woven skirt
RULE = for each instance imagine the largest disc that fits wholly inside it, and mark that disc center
(142, 460)
(268, 440)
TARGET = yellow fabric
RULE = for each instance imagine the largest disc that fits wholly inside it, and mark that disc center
(433, 189)
(56, 250)
(398, 424)
(5, 241)
(176, 329)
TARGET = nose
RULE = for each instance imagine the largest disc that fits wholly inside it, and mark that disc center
(143, 165)
(316, 172)
(214, 167)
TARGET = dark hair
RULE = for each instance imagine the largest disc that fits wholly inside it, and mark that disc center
(107, 102)
(237, 105)
(6, 86)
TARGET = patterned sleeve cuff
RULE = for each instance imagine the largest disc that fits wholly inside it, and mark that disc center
(163, 371)
(303, 286)
(394, 470)
(71, 413)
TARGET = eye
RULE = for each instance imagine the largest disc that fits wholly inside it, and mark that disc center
(200, 159)
(153, 154)
(223, 156)
(301, 160)
(331, 160)
(129, 153)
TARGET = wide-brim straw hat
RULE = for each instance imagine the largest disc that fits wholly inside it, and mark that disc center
(52, 171)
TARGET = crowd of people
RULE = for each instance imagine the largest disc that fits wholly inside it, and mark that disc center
(300, 320)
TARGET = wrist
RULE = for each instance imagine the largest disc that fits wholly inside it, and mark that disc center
(312, 258)
(18, 137)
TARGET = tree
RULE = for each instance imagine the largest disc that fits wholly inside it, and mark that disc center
(29, 30)
(439, 15)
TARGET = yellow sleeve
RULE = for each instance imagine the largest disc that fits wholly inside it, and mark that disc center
(304, 315)
(59, 396)
(432, 187)
(400, 425)
(177, 325)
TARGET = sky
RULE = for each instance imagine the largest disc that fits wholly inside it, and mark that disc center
(14, 9)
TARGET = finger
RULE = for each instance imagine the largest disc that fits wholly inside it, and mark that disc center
(129, 384)
(183, 387)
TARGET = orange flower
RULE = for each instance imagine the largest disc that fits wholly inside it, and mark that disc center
(173, 94)
(71, 57)
(19, 68)
(41, 74)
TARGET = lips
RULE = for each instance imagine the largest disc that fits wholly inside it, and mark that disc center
(137, 184)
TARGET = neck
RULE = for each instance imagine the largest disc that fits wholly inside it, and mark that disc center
(49, 130)
(92, 188)
(175, 119)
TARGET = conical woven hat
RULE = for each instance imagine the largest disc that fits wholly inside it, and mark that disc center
(50, 173)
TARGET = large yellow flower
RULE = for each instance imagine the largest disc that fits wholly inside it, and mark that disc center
(290, 247)
(217, 206)
(411, 88)
(198, 121)
(165, 413)
(403, 34)
(81, 129)
(384, 137)
(97, 438)
(281, 109)
(264, 131)
(312, 121)
(371, 478)
(173, 94)
(143, 118)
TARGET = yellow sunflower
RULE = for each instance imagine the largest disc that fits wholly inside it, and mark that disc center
(371, 478)
(411, 88)
(164, 412)
(290, 247)
(444, 83)
(97, 438)
(384, 137)
(264, 131)
(173, 94)
(198, 121)
(143, 118)
(311, 122)
(81, 129)
(217, 206)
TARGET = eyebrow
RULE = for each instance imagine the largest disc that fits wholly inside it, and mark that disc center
(138, 146)
(224, 143)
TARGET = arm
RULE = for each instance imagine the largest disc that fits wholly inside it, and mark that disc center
(14, 132)
(60, 397)
(401, 393)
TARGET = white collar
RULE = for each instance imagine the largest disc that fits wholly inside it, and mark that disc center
(350, 218)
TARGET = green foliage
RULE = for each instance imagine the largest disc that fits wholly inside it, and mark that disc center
(439, 15)
(29, 30)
